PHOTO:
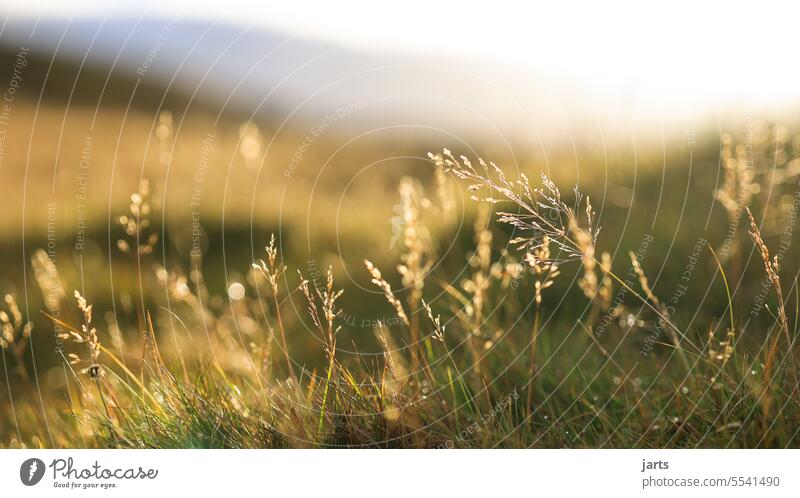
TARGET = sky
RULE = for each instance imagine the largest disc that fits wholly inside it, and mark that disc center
(677, 57)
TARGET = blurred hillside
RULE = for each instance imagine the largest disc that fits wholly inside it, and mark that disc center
(81, 137)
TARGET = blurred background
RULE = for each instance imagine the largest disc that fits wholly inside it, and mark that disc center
(302, 118)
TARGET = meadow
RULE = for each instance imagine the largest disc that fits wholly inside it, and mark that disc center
(176, 279)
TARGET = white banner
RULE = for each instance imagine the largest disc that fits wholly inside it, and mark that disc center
(399, 473)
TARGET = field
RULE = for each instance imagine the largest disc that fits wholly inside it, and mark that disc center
(176, 279)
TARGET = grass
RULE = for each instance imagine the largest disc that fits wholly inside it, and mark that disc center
(483, 356)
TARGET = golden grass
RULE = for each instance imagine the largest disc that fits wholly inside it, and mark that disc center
(451, 360)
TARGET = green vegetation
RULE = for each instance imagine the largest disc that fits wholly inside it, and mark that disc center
(549, 323)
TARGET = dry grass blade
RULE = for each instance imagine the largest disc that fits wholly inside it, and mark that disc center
(772, 267)
(273, 271)
(378, 280)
